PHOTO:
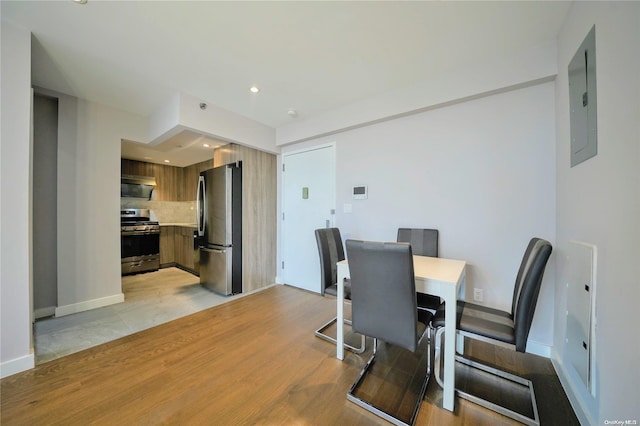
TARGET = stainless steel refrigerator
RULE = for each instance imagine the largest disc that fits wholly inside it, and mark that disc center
(219, 217)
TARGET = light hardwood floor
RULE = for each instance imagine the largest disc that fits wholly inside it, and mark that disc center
(253, 360)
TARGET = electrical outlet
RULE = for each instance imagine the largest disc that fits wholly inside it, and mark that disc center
(478, 294)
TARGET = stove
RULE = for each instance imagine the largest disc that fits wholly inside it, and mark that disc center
(139, 241)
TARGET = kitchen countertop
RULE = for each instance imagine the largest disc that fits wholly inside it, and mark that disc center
(186, 225)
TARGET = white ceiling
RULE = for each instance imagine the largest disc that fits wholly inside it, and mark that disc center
(181, 150)
(307, 56)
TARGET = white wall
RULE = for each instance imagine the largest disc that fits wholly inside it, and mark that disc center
(15, 344)
(183, 112)
(89, 201)
(226, 125)
(599, 203)
(88, 246)
(481, 78)
(482, 172)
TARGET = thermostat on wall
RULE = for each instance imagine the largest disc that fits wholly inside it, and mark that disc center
(360, 192)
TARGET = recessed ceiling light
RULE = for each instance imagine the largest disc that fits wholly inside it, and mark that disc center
(167, 161)
(254, 89)
(148, 158)
(292, 113)
(80, 1)
(206, 145)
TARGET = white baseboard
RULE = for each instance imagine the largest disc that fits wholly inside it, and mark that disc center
(583, 415)
(89, 304)
(17, 365)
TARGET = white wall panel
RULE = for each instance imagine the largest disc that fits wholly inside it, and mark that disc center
(581, 288)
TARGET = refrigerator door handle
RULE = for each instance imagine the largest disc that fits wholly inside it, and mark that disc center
(213, 250)
(200, 206)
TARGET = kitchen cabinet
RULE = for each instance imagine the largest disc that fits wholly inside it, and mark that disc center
(258, 212)
(167, 244)
(176, 248)
(184, 248)
(168, 178)
(172, 183)
(190, 176)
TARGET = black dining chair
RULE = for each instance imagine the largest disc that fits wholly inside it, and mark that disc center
(501, 328)
(331, 251)
(383, 295)
(424, 242)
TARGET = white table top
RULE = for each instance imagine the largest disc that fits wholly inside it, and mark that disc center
(433, 268)
(437, 268)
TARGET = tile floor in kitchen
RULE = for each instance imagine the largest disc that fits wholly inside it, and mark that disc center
(150, 299)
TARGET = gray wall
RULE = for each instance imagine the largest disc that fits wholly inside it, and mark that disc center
(45, 170)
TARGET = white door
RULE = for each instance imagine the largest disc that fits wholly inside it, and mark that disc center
(307, 204)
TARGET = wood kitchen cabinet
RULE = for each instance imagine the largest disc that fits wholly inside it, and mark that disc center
(172, 183)
(176, 248)
(168, 178)
(258, 212)
(184, 248)
(167, 246)
(190, 176)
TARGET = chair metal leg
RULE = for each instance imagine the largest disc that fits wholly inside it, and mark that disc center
(377, 411)
(437, 342)
(320, 334)
(535, 421)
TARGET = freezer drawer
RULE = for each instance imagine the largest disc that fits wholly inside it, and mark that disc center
(215, 269)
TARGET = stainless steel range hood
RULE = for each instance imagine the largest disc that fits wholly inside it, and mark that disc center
(137, 186)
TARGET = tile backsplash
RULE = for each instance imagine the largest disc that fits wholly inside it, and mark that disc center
(164, 211)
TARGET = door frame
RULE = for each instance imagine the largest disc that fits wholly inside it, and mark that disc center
(280, 226)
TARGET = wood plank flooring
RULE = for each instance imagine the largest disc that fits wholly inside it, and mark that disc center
(253, 360)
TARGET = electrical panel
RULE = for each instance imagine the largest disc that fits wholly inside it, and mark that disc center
(583, 101)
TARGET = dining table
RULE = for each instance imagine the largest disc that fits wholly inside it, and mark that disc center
(433, 275)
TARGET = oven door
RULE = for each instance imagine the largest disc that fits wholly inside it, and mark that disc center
(140, 251)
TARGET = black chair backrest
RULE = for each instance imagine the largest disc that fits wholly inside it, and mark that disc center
(331, 252)
(383, 292)
(527, 288)
(424, 242)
